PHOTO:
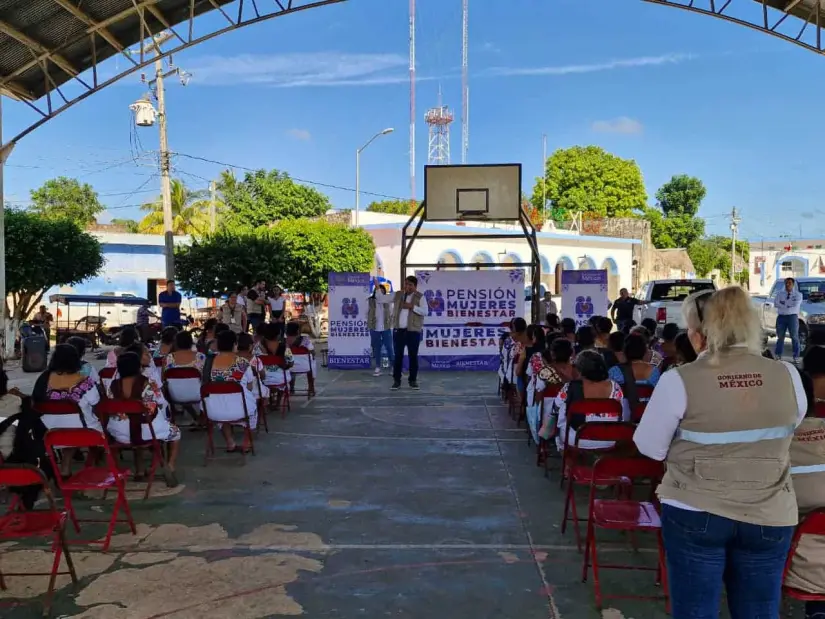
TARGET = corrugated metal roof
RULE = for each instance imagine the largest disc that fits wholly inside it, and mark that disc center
(46, 43)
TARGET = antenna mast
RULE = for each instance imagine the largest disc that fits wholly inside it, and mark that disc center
(412, 102)
(465, 80)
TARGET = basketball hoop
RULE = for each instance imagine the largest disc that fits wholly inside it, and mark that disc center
(473, 215)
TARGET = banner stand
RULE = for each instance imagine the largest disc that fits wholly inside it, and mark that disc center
(349, 336)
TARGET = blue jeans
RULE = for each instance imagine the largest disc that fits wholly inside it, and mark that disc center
(706, 552)
(379, 339)
(789, 323)
(254, 320)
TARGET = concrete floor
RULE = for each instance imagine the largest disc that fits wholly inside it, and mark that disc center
(361, 503)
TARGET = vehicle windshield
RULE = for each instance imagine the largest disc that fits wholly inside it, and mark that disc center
(812, 289)
(677, 291)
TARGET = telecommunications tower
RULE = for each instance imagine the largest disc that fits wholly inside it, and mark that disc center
(438, 121)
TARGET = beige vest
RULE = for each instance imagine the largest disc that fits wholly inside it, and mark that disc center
(227, 316)
(730, 456)
(808, 473)
(415, 322)
(372, 320)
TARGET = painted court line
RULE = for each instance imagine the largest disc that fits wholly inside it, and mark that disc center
(404, 438)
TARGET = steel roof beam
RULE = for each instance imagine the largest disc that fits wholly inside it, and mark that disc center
(38, 48)
(101, 30)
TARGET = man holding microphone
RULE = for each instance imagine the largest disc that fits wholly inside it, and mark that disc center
(409, 309)
(787, 303)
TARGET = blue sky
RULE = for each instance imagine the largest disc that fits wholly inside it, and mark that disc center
(677, 92)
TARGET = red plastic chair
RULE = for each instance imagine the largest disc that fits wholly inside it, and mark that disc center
(91, 477)
(276, 388)
(624, 515)
(545, 398)
(300, 351)
(62, 408)
(106, 377)
(582, 473)
(812, 524)
(596, 409)
(227, 388)
(49, 523)
(819, 410)
(134, 408)
(179, 375)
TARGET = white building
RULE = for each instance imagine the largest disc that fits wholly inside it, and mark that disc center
(772, 260)
(558, 250)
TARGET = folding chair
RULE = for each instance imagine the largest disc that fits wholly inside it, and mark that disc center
(278, 389)
(225, 389)
(624, 515)
(60, 408)
(546, 404)
(91, 477)
(302, 366)
(138, 415)
(503, 363)
(49, 523)
(643, 392)
(513, 393)
(182, 388)
(592, 409)
(107, 375)
(812, 524)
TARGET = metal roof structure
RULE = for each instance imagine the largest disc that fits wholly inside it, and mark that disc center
(51, 50)
(47, 47)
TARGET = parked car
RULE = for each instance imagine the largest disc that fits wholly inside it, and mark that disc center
(811, 314)
(661, 299)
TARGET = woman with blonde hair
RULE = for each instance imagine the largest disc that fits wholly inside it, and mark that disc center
(724, 424)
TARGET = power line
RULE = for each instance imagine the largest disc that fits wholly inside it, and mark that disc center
(295, 178)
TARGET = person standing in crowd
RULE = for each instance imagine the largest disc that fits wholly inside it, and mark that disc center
(233, 314)
(548, 305)
(621, 312)
(169, 301)
(255, 304)
(787, 303)
(724, 425)
(45, 319)
(568, 329)
(276, 304)
(409, 310)
(142, 322)
(379, 322)
(242, 290)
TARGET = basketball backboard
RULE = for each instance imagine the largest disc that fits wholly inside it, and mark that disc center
(472, 192)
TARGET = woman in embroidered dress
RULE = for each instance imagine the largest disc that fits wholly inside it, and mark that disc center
(558, 371)
(184, 355)
(167, 342)
(245, 350)
(86, 368)
(132, 384)
(128, 337)
(64, 380)
(207, 335)
(227, 366)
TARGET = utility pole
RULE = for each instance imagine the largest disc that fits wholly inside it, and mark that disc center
(544, 178)
(734, 226)
(165, 181)
(213, 207)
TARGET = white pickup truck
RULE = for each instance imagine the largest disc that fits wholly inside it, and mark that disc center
(661, 299)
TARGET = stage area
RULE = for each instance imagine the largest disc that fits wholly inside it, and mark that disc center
(362, 503)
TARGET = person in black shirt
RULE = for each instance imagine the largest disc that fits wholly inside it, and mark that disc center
(622, 310)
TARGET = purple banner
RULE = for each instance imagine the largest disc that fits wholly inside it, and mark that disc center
(458, 363)
(349, 362)
(584, 277)
(349, 279)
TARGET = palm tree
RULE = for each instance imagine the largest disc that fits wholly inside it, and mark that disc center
(190, 212)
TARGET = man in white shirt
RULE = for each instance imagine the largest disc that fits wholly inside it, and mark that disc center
(409, 309)
(548, 306)
(787, 304)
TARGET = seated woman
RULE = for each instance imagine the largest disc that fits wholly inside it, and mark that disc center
(207, 335)
(147, 364)
(684, 351)
(86, 368)
(556, 370)
(651, 356)
(635, 371)
(184, 354)
(277, 376)
(531, 357)
(227, 366)
(128, 337)
(11, 402)
(64, 381)
(295, 339)
(593, 384)
(167, 342)
(807, 570)
(131, 384)
(245, 351)
(212, 345)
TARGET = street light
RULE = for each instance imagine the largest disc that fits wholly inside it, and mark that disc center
(358, 169)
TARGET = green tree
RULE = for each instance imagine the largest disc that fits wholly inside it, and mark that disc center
(682, 195)
(714, 253)
(297, 254)
(190, 212)
(392, 207)
(589, 179)
(704, 254)
(42, 253)
(67, 198)
(129, 224)
(264, 197)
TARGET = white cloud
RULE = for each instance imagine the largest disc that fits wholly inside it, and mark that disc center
(623, 125)
(300, 69)
(300, 134)
(610, 65)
